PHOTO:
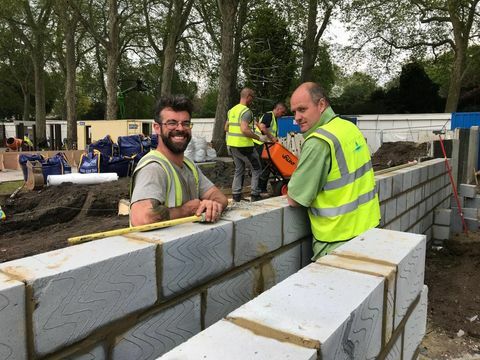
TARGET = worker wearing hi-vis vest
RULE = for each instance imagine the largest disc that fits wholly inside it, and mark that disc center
(165, 184)
(267, 125)
(334, 177)
(240, 138)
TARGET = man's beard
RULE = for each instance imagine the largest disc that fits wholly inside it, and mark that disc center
(176, 148)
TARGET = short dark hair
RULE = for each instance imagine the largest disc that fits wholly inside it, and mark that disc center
(317, 93)
(280, 103)
(175, 102)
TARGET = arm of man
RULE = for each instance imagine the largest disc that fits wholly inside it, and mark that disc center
(311, 173)
(245, 121)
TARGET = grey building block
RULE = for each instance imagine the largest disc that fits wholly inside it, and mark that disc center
(307, 251)
(415, 176)
(13, 335)
(225, 340)
(404, 222)
(410, 199)
(79, 289)
(345, 326)
(454, 163)
(422, 208)
(423, 173)
(157, 334)
(384, 185)
(382, 214)
(296, 224)
(257, 231)
(466, 190)
(407, 178)
(413, 213)
(229, 294)
(416, 326)
(418, 195)
(429, 203)
(390, 210)
(453, 201)
(191, 254)
(427, 189)
(281, 266)
(96, 353)
(397, 183)
(441, 232)
(401, 203)
(395, 352)
(472, 202)
(472, 160)
(395, 225)
(442, 216)
(431, 171)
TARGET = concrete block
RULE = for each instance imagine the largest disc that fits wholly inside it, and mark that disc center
(229, 294)
(442, 216)
(257, 231)
(96, 353)
(418, 195)
(281, 266)
(339, 326)
(413, 214)
(225, 340)
(158, 333)
(295, 224)
(441, 232)
(410, 199)
(423, 173)
(416, 325)
(404, 250)
(415, 175)
(395, 225)
(13, 337)
(79, 289)
(384, 185)
(307, 252)
(473, 202)
(191, 254)
(431, 171)
(468, 191)
(404, 222)
(382, 214)
(427, 189)
(390, 210)
(395, 352)
(401, 203)
(397, 183)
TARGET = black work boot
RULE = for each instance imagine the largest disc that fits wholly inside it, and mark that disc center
(255, 198)
(237, 197)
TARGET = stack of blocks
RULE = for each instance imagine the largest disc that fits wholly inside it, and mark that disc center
(366, 300)
(142, 294)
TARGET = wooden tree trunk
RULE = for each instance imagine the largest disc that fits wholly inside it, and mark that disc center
(113, 60)
(168, 64)
(309, 46)
(70, 88)
(228, 11)
(40, 113)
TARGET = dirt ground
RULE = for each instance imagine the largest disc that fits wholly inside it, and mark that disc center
(397, 153)
(43, 220)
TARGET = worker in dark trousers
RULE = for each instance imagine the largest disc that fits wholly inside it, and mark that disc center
(334, 177)
(240, 138)
(267, 125)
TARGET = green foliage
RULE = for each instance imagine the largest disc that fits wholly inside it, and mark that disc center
(268, 58)
(206, 105)
(357, 89)
(324, 70)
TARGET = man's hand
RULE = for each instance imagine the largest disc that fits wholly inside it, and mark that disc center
(190, 207)
(264, 138)
(213, 210)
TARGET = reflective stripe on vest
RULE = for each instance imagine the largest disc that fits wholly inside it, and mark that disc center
(273, 128)
(235, 137)
(348, 203)
(173, 197)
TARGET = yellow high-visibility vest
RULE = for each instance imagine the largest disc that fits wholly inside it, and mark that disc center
(235, 136)
(273, 128)
(348, 203)
(173, 197)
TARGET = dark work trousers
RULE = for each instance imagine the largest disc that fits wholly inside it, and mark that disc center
(243, 156)
(265, 174)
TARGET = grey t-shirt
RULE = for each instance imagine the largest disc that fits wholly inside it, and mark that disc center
(151, 183)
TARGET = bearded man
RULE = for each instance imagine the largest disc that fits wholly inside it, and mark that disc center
(165, 184)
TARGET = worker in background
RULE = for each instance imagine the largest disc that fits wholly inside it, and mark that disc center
(165, 184)
(267, 125)
(334, 178)
(240, 138)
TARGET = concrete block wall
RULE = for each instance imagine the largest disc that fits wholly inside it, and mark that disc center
(409, 196)
(332, 309)
(141, 294)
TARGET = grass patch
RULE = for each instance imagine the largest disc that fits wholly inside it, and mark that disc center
(8, 187)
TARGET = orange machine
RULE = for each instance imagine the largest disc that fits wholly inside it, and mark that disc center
(281, 163)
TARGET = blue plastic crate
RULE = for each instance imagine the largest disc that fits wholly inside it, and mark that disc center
(465, 120)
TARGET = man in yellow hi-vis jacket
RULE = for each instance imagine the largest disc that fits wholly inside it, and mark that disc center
(334, 177)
